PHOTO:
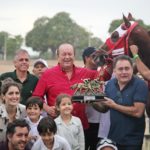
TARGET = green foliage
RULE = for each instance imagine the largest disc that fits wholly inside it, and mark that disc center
(9, 42)
(49, 33)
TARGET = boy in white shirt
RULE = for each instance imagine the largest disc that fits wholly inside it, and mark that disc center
(34, 108)
(48, 140)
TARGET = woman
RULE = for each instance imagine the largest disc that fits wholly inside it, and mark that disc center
(10, 109)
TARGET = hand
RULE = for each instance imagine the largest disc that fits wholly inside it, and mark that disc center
(109, 102)
(108, 60)
(134, 49)
(52, 111)
(100, 107)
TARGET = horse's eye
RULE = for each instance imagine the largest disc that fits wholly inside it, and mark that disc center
(115, 36)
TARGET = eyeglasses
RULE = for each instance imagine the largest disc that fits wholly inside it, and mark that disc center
(105, 140)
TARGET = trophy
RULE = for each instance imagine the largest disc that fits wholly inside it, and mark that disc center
(88, 91)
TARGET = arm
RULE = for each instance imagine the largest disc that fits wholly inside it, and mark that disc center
(51, 110)
(142, 68)
(40, 92)
(137, 110)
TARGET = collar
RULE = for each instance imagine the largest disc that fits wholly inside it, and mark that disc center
(129, 83)
(4, 113)
(60, 121)
(16, 78)
(32, 123)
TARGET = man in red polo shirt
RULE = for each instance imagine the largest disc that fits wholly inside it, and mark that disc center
(60, 78)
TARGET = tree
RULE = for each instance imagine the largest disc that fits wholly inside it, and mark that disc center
(9, 42)
(49, 33)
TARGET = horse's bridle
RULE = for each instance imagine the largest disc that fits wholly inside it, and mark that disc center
(113, 46)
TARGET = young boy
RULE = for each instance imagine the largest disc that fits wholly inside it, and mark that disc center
(69, 127)
(34, 108)
(48, 140)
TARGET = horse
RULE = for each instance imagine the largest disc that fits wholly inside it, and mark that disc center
(127, 34)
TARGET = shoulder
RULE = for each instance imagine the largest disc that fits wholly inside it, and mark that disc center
(31, 76)
(111, 82)
(6, 74)
(3, 145)
(21, 106)
(50, 71)
(76, 120)
(60, 140)
(2, 109)
(58, 120)
(137, 82)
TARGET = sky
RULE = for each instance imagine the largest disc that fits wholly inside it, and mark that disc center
(18, 16)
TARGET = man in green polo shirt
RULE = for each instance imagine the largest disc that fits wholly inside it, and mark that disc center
(22, 75)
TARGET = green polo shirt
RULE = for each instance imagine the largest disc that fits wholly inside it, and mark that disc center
(27, 86)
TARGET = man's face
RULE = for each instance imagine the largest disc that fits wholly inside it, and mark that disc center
(123, 71)
(22, 62)
(66, 56)
(39, 69)
(18, 140)
(90, 63)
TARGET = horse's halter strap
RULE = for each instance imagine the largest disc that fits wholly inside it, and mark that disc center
(121, 46)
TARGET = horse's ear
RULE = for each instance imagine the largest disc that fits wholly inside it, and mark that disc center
(130, 18)
(126, 21)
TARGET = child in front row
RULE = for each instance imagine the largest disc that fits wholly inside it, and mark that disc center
(68, 126)
(34, 107)
(48, 140)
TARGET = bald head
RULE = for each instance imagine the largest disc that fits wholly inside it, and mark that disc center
(65, 46)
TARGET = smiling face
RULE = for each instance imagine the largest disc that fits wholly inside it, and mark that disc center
(21, 61)
(18, 140)
(33, 112)
(12, 96)
(65, 107)
(48, 139)
(66, 56)
(123, 71)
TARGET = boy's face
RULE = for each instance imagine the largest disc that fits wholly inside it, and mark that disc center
(65, 106)
(48, 139)
(39, 69)
(34, 112)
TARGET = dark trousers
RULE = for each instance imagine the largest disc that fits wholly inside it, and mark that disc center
(129, 147)
(91, 138)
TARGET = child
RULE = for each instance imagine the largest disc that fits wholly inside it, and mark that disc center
(68, 126)
(48, 140)
(34, 108)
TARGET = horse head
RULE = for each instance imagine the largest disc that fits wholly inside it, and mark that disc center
(128, 33)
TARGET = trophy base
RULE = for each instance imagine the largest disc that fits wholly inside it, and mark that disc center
(87, 98)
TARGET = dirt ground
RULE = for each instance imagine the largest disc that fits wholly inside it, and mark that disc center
(6, 66)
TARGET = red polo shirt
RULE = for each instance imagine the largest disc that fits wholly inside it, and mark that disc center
(55, 81)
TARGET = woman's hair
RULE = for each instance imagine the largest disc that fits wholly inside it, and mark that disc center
(7, 83)
(47, 124)
(60, 97)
